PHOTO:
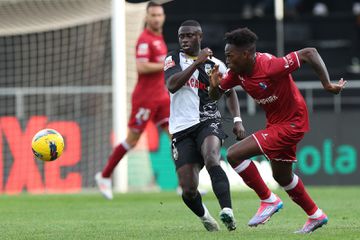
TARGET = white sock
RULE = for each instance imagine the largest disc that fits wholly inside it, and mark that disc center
(317, 214)
(226, 209)
(270, 199)
(242, 166)
(206, 213)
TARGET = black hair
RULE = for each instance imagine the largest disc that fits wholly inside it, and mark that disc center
(152, 4)
(190, 23)
(242, 38)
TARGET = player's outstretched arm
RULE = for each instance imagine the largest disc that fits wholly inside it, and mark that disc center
(233, 105)
(149, 67)
(176, 81)
(312, 57)
(214, 91)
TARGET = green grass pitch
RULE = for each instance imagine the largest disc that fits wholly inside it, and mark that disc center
(164, 216)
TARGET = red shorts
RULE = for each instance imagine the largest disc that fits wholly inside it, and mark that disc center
(278, 142)
(145, 110)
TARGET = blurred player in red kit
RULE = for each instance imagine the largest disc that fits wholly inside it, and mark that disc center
(268, 80)
(150, 99)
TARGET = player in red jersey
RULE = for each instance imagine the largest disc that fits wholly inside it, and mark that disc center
(268, 80)
(150, 99)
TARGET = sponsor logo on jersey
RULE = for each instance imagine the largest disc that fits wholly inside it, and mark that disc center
(143, 49)
(195, 83)
(169, 63)
(267, 100)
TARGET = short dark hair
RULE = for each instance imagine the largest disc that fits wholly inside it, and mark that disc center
(152, 4)
(241, 37)
(190, 23)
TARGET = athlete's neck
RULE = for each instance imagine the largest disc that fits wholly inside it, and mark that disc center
(249, 70)
(191, 57)
(154, 31)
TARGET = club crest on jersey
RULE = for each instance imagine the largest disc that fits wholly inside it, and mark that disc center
(263, 85)
(208, 69)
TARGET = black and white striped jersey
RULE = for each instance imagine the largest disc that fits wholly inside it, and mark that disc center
(191, 104)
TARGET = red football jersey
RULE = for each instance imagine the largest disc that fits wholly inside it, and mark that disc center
(273, 88)
(150, 48)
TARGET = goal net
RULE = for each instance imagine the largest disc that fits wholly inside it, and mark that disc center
(56, 72)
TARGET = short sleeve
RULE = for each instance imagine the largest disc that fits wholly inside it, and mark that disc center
(227, 81)
(275, 66)
(143, 50)
(171, 65)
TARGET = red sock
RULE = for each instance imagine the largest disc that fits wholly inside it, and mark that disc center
(298, 194)
(251, 176)
(115, 158)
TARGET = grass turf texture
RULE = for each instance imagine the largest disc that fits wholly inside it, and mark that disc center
(164, 216)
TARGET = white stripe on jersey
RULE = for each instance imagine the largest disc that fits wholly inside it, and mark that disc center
(185, 103)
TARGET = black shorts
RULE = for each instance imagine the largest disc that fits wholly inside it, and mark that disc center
(186, 144)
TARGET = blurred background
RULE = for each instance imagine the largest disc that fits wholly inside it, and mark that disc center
(56, 72)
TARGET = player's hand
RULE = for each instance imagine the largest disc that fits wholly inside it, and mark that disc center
(336, 88)
(215, 77)
(239, 131)
(204, 55)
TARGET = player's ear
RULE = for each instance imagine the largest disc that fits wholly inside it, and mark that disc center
(200, 35)
(146, 18)
(247, 53)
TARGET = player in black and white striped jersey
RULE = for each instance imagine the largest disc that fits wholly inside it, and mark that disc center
(195, 123)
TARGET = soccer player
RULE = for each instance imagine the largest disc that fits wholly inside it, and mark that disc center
(268, 80)
(195, 124)
(150, 99)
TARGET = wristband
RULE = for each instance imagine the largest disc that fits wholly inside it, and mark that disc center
(237, 119)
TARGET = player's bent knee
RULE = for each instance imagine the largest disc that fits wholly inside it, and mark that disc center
(211, 160)
(189, 192)
(281, 179)
(232, 156)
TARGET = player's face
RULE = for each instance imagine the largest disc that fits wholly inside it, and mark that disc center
(155, 18)
(238, 60)
(190, 39)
